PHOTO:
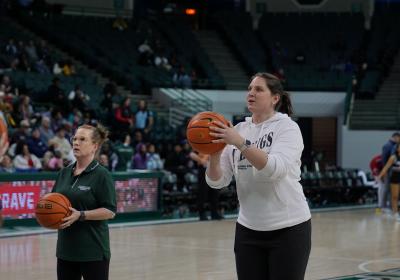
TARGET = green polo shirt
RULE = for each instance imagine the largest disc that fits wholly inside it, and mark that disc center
(92, 189)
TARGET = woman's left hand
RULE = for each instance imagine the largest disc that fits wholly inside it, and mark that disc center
(68, 221)
(225, 134)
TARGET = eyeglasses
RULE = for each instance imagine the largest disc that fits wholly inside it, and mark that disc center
(78, 139)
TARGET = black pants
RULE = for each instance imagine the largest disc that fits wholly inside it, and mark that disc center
(94, 270)
(272, 255)
(205, 193)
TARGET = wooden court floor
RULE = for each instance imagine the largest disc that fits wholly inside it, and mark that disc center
(344, 242)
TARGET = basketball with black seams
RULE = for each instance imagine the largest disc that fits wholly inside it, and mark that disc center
(51, 209)
(198, 132)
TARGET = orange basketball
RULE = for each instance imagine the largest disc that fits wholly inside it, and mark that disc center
(198, 132)
(51, 209)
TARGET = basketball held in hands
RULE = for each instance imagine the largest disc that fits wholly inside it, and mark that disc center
(51, 209)
(198, 132)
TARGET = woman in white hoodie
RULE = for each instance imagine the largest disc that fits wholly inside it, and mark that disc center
(273, 230)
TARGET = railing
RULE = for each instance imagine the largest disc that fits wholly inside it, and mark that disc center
(96, 11)
(183, 103)
(348, 105)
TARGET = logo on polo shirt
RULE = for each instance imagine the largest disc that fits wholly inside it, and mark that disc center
(84, 188)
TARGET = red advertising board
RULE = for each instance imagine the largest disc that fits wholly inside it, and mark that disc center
(19, 200)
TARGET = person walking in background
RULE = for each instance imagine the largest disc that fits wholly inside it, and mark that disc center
(393, 165)
(387, 150)
(204, 192)
(376, 167)
(83, 245)
(273, 230)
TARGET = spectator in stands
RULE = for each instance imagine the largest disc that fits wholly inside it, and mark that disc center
(176, 162)
(46, 159)
(57, 96)
(44, 52)
(204, 192)
(108, 149)
(57, 119)
(25, 109)
(110, 102)
(22, 133)
(41, 67)
(57, 70)
(8, 88)
(6, 165)
(79, 99)
(181, 79)
(393, 164)
(56, 161)
(68, 68)
(120, 24)
(140, 158)
(46, 133)
(35, 143)
(124, 153)
(11, 49)
(145, 54)
(75, 118)
(137, 139)
(161, 61)
(24, 161)
(31, 51)
(263, 154)
(144, 119)
(154, 161)
(103, 160)
(24, 64)
(124, 118)
(61, 143)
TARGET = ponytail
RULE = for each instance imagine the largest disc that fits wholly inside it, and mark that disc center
(275, 86)
(285, 104)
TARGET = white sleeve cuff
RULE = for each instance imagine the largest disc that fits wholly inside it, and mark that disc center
(270, 167)
(218, 184)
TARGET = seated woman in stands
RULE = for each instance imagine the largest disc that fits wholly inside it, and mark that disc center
(24, 161)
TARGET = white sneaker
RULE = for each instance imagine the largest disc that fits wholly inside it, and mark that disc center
(395, 216)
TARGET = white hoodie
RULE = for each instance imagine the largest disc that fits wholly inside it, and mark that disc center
(271, 198)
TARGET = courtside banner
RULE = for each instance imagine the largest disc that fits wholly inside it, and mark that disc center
(19, 198)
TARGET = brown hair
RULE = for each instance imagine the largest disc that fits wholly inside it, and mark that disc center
(275, 86)
(99, 133)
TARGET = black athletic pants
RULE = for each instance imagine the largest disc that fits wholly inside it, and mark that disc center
(272, 255)
(205, 193)
(94, 270)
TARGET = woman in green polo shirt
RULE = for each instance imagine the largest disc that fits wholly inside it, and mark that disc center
(83, 245)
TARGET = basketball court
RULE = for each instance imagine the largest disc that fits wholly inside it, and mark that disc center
(344, 243)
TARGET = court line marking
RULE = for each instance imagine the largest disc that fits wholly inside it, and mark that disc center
(169, 221)
(362, 266)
